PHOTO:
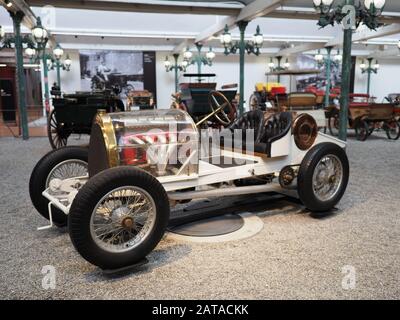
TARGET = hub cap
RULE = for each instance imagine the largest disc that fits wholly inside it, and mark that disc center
(123, 219)
(327, 178)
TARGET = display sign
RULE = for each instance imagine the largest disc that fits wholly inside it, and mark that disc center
(130, 70)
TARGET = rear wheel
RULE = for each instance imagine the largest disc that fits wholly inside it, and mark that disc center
(362, 130)
(323, 177)
(57, 133)
(118, 217)
(392, 130)
(64, 163)
(333, 125)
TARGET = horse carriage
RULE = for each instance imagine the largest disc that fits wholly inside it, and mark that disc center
(143, 100)
(74, 114)
(207, 106)
(366, 116)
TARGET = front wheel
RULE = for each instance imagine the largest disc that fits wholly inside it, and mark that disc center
(118, 217)
(323, 177)
(393, 130)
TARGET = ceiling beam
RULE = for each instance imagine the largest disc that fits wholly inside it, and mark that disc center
(136, 7)
(215, 29)
(311, 15)
(258, 8)
(300, 49)
(183, 45)
(367, 35)
(385, 54)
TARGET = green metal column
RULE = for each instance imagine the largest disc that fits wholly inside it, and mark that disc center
(199, 46)
(46, 81)
(345, 88)
(176, 67)
(369, 71)
(58, 65)
(23, 113)
(328, 64)
(242, 50)
(279, 58)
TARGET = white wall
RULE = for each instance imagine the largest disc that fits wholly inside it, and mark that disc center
(227, 70)
(71, 80)
(386, 81)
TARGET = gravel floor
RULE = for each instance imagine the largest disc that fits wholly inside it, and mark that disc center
(295, 256)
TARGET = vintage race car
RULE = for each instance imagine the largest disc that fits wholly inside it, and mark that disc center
(116, 195)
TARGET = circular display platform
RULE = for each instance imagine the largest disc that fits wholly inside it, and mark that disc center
(211, 227)
(224, 228)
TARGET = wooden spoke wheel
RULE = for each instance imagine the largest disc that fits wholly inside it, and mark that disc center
(392, 129)
(57, 133)
(218, 101)
(362, 130)
(254, 102)
(333, 125)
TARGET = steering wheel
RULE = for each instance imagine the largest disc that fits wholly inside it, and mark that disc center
(214, 99)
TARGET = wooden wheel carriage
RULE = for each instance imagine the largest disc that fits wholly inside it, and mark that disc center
(74, 114)
(207, 106)
(367, 116)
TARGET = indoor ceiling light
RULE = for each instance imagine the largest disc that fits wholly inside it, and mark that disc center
(378, 4)
(68, 62)
(58, 52)
(271, 64)
(226, 37)
(210, 55)
(287, 64)
(167, 63)
(187, 55)
(338, 57)
(30, 52)
(39, 33)
(258, 38)
(319, 57)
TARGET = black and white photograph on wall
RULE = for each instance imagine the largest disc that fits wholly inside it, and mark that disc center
(318, 80)
(104, 69)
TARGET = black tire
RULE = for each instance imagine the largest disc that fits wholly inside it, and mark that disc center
(333, 125)
(306, 172)
(362, 130)
(85, 202)
(57, 133)
(392, 130)
(40, 173)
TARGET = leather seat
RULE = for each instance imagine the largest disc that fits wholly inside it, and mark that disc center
(265, 132)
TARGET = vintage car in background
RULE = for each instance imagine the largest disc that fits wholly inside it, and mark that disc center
(366, 116)
(141, 99)
(203, 102)
(115, 196)
(74, 113)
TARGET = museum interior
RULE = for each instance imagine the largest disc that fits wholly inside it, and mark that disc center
(200, 149)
